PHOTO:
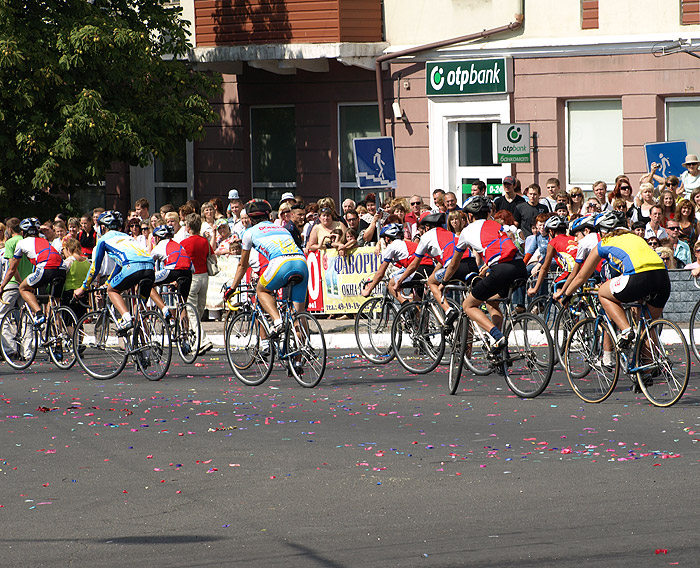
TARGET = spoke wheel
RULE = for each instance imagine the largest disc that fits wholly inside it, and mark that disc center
(563, 324)
(457, 353)
(99, 350)
(530, 356)
(545, 308)
(419, 338)
(152, 346)
(62, 324)
(19, 339)
(305, 345)
(663, 345)
(695, 331)
(189, 331)
(373, 330)
(250, 354)
(476, 352)
(583, 361)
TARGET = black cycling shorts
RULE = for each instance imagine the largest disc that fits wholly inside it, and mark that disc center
(654, 284)
(499, 280)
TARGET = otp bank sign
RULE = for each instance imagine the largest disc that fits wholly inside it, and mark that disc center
(472, 77)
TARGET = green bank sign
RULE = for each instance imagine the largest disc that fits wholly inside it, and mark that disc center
(471, 77)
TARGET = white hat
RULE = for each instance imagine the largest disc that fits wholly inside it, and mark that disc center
(288, 195)
(690, 159)
(233, 194)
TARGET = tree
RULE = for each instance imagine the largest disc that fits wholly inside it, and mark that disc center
(84, 84)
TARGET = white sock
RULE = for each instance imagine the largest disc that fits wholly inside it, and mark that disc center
(277, 323)
(607, 358)
(166, 311)
(126, 317)
(625, 331)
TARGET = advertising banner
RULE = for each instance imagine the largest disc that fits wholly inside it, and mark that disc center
(513, 142)
(341, 277)
(468, 77)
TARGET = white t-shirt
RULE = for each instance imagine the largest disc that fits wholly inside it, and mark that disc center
(689, 183)
(585, 246)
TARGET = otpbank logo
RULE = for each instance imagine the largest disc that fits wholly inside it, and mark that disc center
(471, 77)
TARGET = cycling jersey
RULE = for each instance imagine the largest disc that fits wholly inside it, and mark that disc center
(566, 249)
(39, 252)
(126, 253)
(402, 252)
(438, 243)
(257, 262)
(270, 240)
(487, 238)
(172, 254)
(629, 254)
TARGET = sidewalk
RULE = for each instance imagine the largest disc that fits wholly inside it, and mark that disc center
(340, 334)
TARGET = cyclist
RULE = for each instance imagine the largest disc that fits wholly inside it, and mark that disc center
(176, 266)
(286, 262)
(561, 248)
(439, 243)
(132, 265)
(48, 266)
(584, 231)
(641, 273)
(501, 257)
(400, 252)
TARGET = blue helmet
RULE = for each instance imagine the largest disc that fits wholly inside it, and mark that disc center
(392, 230)
(111, 219)
(163, 232)
(581, 223)
(30, 225)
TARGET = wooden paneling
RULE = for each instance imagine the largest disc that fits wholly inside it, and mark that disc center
(690, 12)
(589, 14)
(235, 22)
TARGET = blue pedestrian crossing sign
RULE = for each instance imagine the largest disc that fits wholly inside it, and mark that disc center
(375, 165)
(669, 155)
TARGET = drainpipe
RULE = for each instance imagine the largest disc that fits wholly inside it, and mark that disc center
(519, 18)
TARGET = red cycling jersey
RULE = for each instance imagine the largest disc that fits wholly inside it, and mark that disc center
(172, 254)
(488, 239)
(39, 252)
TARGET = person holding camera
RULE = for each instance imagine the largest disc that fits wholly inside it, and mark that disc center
(320, 238)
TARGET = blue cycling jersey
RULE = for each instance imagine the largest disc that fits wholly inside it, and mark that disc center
(270, 240)
(122, 249)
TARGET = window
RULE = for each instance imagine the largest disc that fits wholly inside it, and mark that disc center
(594, 149)
(273, 151)
(170, 178)
(354, 121)
(683, 122)
(475, 141)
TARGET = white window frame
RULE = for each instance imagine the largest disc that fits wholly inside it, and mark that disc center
(143, 183)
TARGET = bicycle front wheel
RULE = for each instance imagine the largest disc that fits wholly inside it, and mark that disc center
(62, 323)
(19, 338)
(663, 347)
(591, 380)
(530, 356)
(695, 331)
(99, 350)
(476, 352)
(545, 308)
(152, 347)
(189, 332)
(250, 354)
(305, 346)
(419, 337)
(373, 330)
(457, 353)
(563, 324)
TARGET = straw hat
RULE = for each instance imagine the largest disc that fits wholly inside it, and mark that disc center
(691, 159)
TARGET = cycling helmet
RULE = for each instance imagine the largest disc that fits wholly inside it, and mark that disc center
(477, 204)
(163, 232)
(610, 220)
(433, 220)
(554, 222)
(258, 208)
(581, 223)
(30, 225)
(392, 230)
(111, 219)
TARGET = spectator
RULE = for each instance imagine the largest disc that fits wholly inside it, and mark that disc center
(233, 197)
(283, 214)
(73, 227)
(506, 219)
(173, 219)
(526, 212)
(653, 242)
(653, 227)
(96, 212)
(219, 210)
(87, 236)
(198, 249)
(667, 201)
(666, 255)
(77, 267)
(592, 206)
(373, 217)
(208, 221)
(680, 248)
(576, 201)
(643, 203)
(311, 217)
(295, 225)
(155, 221)
(411, 218)
(456, 221)
(353, 220)
(672, 183)
(61, 231)
(620, 205)
(225, 239)
(320, 238)
(141, 207)
(134, 230)
(440, 204)
(167, 208)
(451, 202)
(600, 191)
(562, 210)
(509, 200)
(438, 194)
(638, 228)
(687, 221)
(694, 265)
(49, 233)
(623, 188)
(478, 188)
(348, 204)
(690, 179)
(553, 187)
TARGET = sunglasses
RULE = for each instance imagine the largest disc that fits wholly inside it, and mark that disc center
(669, 184)
(673, 228)
(665, 258)
(577, 195)
(627, 187)
(652, 243)
(415, 202)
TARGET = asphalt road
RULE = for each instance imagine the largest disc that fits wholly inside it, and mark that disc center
(375, 467)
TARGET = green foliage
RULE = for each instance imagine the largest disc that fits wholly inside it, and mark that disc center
(87, 83)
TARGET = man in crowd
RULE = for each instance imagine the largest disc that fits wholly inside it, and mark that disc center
(509, 200)
(297, 220)
(525, 213)
(553, 187)
(654, 228)
(141, 208)
(411, 218)
(681, 250)
(600, 190)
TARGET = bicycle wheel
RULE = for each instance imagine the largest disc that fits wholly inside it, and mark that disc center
(305, 345)
(457, 353)
(419, 337)
(189, 332)
(583, 361)
(19, 338)
(99, 350)
(250, 356)
(62, 323)
(546, 308)
(476, 352)
(563, 324)
(152, 347)
(695, 331)
(373, 330)
(663, 345)
(530, 356)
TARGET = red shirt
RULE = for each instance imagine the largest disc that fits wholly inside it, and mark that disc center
(198, 248)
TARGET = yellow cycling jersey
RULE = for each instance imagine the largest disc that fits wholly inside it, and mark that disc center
(629, 254)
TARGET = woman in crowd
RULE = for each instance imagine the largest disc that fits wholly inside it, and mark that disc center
(666, 255)
(696, 264)
(219, 209)
(643, 203)
(623, 189)
(78, 266)
(320, 237)
(208, 213)
(576, 201)
(456, 221)
(690, 179)
(311, 216)
(134, 230)
(686, 219)
(667, 201)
